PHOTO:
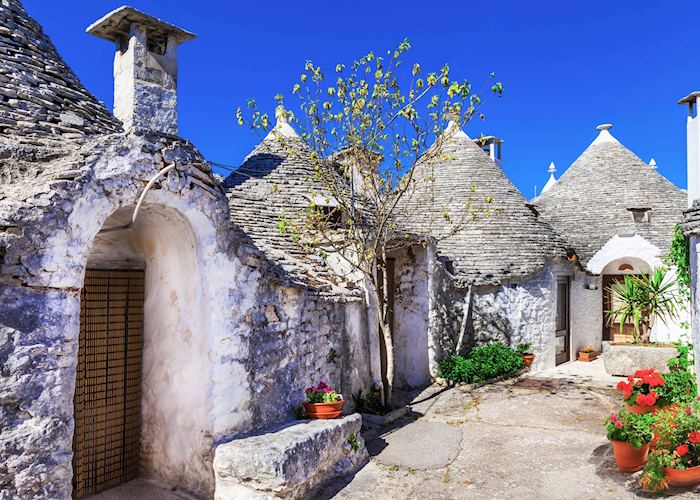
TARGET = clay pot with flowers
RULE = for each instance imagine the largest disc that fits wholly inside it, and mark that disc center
(586, 354)
(630, 435)
(323, 402)
(676, 460)
(640, 391)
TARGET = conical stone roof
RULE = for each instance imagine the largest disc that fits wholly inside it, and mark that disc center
(277, 182)
(40, 96)
(505, 241)
(593, 200)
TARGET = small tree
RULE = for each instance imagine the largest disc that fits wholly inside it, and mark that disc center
(366, 130)
(641, 300)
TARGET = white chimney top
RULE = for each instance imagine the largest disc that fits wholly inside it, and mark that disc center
(145, 68)
(604, 136)
(652, 163)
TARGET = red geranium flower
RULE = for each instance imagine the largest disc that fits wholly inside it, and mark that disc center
(689, 411)
(682, 450)
(694, 437)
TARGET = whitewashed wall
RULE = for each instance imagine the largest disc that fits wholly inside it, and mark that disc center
(411, 318)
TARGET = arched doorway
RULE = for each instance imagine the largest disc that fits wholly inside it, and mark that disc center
(613, 275)
(141, 404)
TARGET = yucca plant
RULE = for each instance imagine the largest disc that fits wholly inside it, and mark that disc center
(641, 300)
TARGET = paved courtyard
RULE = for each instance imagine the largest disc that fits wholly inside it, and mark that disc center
(537, 437)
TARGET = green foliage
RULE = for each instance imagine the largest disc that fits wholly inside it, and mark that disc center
(680, 385)
(641, 299)
(524, 348)
(630, 428)
(368, 402)
(481, 364)
(679, 257)
(352, 441)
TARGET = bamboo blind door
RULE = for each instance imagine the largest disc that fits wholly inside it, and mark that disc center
(107, 401)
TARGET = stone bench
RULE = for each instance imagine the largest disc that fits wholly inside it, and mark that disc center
(288, 460)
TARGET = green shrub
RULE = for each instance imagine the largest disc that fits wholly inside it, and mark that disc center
(482, 363)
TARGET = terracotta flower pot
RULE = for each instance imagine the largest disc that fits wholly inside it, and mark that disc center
(629, 458)
(642, 409)
(528, 359)
(683, 478)
(324, 410)
(586, 356)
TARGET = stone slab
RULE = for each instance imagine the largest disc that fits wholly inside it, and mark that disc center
(288, 460)
(623, 360)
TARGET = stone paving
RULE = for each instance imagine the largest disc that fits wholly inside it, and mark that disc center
(536, 437)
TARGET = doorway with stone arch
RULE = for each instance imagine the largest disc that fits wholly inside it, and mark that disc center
(613, 275)
(142, 398)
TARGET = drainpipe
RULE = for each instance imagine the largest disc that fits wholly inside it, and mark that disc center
(153, 180)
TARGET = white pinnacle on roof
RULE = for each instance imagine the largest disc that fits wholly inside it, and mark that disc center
(604, 135)
(282, 127)
(652, 163)
(454, 130)
(552, 181)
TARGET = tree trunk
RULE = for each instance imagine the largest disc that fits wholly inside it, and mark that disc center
(385, 331)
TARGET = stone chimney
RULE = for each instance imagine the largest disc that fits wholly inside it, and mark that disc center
(145, 68)
(493, 146)
(693, 137)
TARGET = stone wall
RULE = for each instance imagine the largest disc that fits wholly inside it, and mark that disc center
(511, 313)
(240, 343)
(445, 311)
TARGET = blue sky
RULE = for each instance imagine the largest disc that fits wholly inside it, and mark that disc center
(566, 66)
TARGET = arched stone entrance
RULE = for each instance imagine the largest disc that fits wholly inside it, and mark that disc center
(143, 390)
(613, 275)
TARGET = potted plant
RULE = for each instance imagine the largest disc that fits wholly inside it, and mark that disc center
(676, 460)
(586, 354)
(630, 435)
(323, 402)
(524, 350)
(641, 299)
(640, 391)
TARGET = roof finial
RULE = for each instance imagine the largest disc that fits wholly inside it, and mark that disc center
(552, 180)
(281, 114)
(282, 127)
(604, 135)
(652, 163)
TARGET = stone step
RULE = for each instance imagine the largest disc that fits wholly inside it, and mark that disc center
(288, 460)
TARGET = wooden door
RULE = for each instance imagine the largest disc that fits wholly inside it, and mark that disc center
(107, 401)
(563, 333)
(612, 331)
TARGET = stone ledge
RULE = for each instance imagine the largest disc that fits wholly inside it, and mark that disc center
(624, 360)
(287, 460)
